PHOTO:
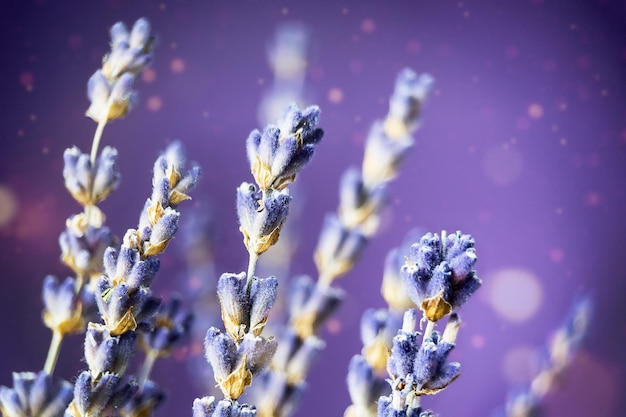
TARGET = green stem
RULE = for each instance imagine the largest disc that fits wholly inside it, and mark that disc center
(146, 369)
(53, 352)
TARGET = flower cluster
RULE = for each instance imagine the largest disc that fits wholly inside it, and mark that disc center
(123, 296)
(343, 238)
(417, 369)
(438, 273)
(110, 89)
(35, 395)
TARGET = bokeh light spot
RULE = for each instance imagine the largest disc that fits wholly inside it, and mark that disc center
(535, 111)
(503, 165)
(515, 294)
(335, 95)
(333, 326)
(148, 75)
(177, 65)
(477, 341)
(516, 365)
(413, 46)
(154, 103)
(368, 25)
(27, 80)
(592, 199)
(8, 205)
(556, 255)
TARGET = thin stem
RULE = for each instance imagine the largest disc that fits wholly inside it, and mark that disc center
(251, 267)
(96, 139)
(95, 143)
(146, 369)
(53, 352)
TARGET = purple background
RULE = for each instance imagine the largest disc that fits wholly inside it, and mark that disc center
(523, 146)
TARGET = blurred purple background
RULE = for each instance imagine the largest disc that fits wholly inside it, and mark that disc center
(523, 145)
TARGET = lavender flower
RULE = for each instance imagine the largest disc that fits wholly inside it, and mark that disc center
(359, 205)
(234, 365)
(338, 249)
(145, 401)
(171, 323)
(365, 388)
(310, 305)
(245, 309)
(105, 353)
(278, 153)
(35, 395)
(99, 397)
(275, 396)
(110, 89)
(123, 308)
(90, 183)
(418, 369)
(83, 245)
(439, 275)
(261, 216)
(378, 327)
(206, 407)
(62, 312)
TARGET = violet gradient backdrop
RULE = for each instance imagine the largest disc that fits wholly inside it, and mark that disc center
(523, 146)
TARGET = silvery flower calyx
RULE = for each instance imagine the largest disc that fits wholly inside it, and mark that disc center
(280, 151)
(63, 306)
(261, 216)
(90, 183)
(245, 309)
(234, 365)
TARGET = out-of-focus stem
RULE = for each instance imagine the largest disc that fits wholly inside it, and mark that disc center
(53, 352)
(96, 139)
(146, 369)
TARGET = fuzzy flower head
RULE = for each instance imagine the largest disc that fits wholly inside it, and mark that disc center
(63, 307)
(261, 217)
(90, 184)
(83, 245)
(34, 395)
(100, 397)
(278, 153)
(439, 273)
(110, 89)
(235, 364)
(245, 310)
(405, 104)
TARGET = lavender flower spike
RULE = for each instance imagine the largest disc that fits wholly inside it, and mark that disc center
(261, 217)
(34, 395)
(278, 153)
(438, 273)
